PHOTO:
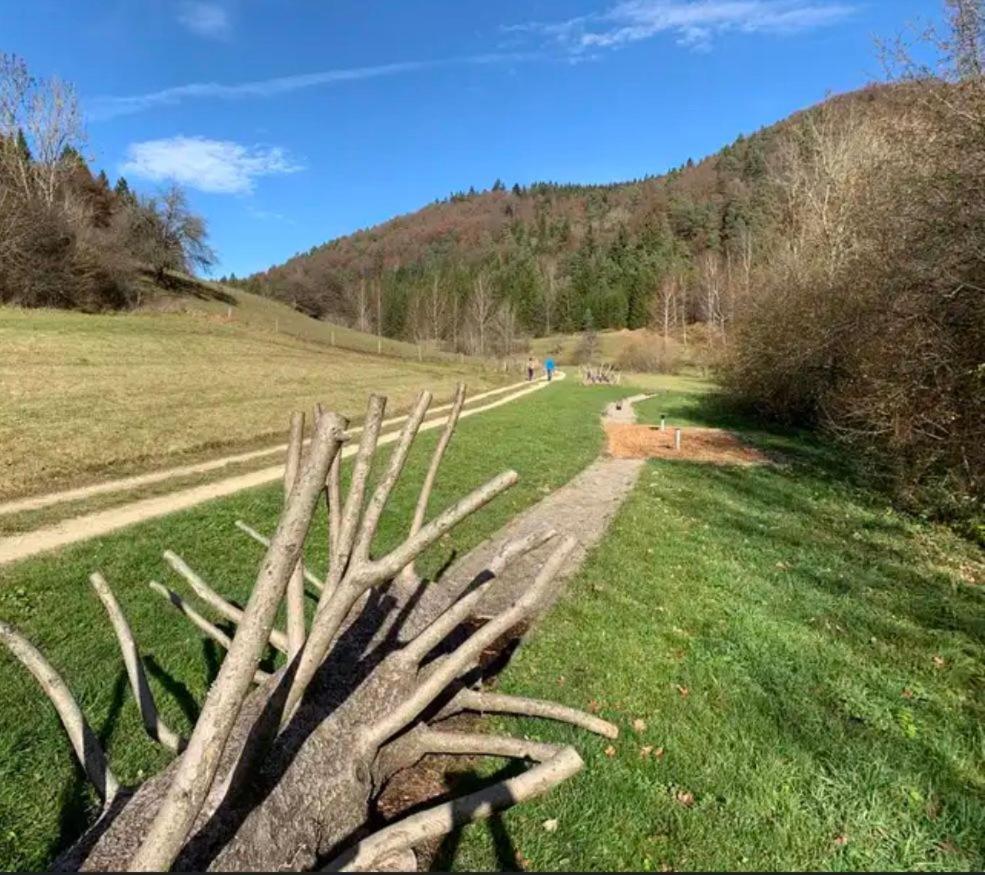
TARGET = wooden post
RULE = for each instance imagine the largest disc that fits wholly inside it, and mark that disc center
(677, 439)
(663, 421)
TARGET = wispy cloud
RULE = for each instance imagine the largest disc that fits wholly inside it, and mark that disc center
(694, 22)
(215, 166)
(205, 19)
(107, 107)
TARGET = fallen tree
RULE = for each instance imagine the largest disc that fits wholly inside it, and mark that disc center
(281, 771)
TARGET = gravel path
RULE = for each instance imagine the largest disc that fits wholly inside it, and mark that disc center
(584, 507)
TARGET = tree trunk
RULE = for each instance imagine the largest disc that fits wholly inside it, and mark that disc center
(285, 776)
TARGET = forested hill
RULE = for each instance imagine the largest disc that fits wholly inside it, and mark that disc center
(479, 268)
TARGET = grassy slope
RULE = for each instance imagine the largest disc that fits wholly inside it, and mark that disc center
(43, 800)
(82, 396)
(831, 653)
(269, 315)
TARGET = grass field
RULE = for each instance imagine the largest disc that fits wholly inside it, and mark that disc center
(44, 801)
(82, 396)
(806, 664)
(265, 314)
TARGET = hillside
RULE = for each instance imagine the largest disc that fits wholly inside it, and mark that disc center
(478, 269)
(93, 394)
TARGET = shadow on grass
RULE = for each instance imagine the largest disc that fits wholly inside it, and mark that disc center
(459, 784)
(176, 689)
(78, 798)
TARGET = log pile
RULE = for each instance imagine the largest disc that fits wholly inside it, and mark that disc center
(281, 770)
(605, 374)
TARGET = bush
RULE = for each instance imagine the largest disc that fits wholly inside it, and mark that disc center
(649, 354)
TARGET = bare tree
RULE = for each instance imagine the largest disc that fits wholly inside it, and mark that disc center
(482, 307)
(168, 236)
(280, 772)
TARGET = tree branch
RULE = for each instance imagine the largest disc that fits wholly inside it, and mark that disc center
(214, 632)
(296, 630)
(497, 703)
(83, 739)
(445, 670)
(278, 639)
(398, 458)
(454, 615)
(407, 575)
(309, 575)
(155, 726)
(198, 765)
(442, 819)
(362, 576)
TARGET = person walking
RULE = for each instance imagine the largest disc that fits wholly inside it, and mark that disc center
(531, 365)
(549, 367)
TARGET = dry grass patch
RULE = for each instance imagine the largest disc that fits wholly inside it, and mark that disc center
(84, 395)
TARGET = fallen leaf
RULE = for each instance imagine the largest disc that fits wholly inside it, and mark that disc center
(594, 707)
(948, 847)
(639, 725)
(841, 840)
(550, 825)
(610, 751)
(684, 691)
(939, 661)
(685, 798)
(560, 681)
(659, 753)
(646, 751)
(907, 694)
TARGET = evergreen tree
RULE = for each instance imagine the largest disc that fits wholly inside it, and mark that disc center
(23, 147)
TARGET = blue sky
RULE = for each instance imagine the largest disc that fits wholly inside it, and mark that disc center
(295, 121)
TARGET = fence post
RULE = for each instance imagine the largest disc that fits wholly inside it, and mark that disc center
(677, 439)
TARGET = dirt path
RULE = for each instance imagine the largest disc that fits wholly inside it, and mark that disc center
(584, 507)
(125, 484)
(92, 525)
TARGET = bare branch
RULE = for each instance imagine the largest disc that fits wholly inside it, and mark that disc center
(398, 458)
(296, 630)
(198, 765)
(334, 610)
(387, 566)
(422, 740)
(442, 819)
(83, 739)
(445, 670)
(497, 703)
(309, 575)
(352, 512)
(430, 637)
(408, 575)
(208, 595)
(214, 632)
(155, 726)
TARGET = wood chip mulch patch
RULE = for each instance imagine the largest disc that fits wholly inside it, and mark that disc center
(711, 445)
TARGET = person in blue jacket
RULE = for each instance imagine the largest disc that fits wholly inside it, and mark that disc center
(549, 367)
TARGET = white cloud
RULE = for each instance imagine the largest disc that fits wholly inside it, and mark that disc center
(205, 19)
(694, 22)
(108, 107)
(216, 166)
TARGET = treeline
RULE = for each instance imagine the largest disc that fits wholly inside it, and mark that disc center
(869, 309)
(67, 237)
(481, 271)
